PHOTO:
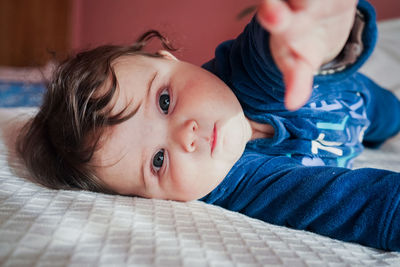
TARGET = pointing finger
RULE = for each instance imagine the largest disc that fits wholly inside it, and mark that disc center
(274, 15)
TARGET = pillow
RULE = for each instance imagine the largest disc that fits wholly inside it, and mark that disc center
(23, 86)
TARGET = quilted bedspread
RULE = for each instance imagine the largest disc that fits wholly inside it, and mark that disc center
(42, 227)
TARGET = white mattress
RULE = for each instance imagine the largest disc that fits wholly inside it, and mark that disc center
(42, 227)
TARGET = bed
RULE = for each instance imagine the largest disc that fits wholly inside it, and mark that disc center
(42, 227)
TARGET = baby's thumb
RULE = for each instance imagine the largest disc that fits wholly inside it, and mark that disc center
(274, 15)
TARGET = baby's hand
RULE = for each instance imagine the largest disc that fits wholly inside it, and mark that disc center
(304, 35)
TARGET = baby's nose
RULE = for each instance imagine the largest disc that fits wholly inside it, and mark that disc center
(186, 135)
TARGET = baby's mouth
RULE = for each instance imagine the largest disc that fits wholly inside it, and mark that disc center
(214, 136)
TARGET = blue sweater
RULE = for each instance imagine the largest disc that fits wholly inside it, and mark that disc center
(297, 178)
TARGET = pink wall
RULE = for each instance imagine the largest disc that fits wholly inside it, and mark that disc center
(194, 26)
(386, 9)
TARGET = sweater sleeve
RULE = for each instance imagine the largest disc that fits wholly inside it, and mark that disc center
(383, 112)
(351, 205)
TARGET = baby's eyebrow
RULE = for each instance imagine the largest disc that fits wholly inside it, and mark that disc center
(149, 85)
(142, 173)
(142, 102)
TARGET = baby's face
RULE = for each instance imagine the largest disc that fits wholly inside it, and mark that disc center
(187, 133)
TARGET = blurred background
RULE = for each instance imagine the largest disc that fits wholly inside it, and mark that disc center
(33, 31)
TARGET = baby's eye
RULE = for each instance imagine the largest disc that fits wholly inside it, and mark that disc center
(158, 160)
(163, 101)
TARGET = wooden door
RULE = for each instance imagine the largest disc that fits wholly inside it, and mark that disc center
(32, 31)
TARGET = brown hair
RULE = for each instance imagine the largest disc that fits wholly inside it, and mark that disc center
(58, 144)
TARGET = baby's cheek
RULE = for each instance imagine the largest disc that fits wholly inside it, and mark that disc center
(190, 181)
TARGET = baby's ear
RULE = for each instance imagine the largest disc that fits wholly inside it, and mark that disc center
(167, 55)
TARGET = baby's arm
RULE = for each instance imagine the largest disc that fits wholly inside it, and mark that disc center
(304, 35)
(360, 205)
(383, 112)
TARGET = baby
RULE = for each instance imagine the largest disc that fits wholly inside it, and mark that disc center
(265, 128)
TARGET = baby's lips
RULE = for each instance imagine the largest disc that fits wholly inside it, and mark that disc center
(213, 138)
